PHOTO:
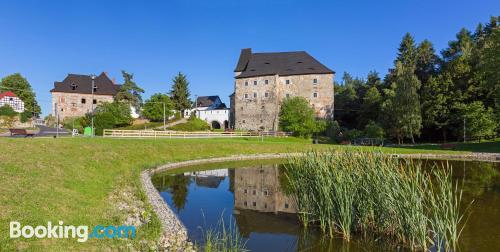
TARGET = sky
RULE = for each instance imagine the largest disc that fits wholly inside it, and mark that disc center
(154, 40)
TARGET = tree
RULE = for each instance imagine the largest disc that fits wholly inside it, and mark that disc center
(130, 92)
(373, 130)
(7, 110)
(370, 107)
(180, 92)
(298, 117)
(426, 61)
(22, 88)
(407, 51)
(153, 108)
(110, 115)
(479, 121)
(436, 98)
(406, 102)
(490, 69)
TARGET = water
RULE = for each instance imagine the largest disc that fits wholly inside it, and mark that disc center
(251, 195)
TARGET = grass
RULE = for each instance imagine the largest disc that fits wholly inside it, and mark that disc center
(222, 238)
(345, 192)
(71, 179)
(142, 126)
(492, 146)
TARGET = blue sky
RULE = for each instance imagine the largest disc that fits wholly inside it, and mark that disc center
(46, 40)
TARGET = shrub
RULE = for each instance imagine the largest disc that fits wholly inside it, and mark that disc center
(110, 115)
(7, 110)
(193, 124)
(25, 116)
(373, 130)
(298, 117)
(352, 134)
(153, 108)
(78, 123)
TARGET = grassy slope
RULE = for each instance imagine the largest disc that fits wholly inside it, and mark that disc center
(71, 179)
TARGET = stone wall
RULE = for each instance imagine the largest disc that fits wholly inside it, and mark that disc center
(257, 99)
(74, 104)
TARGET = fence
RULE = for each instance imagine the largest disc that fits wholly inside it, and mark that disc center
(189, 134)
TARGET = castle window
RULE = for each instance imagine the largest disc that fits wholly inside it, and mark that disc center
(246, 83)
(266, 94)
(95, 88)
(315, 95)
(286, 205)
(245, 191)
(287, 81)
(254, 95)
(265, 205)
(94, 101)
(245, 203)
(246, 96)
(84, 101)
(254, 192)
(261, 121)
(262, 107)
(254, 204)
(266, 82)
(315, 81)
(266, 192)
(73, 86)
(243, 121)
(255, 83)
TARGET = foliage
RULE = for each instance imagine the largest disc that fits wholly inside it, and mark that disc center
(180, 92)
(153, 107)
(350, 191)
(110, 115)
(7, 110)
(130, 92)
(78, 123)
(50, 120)
(373, 130)
(25, 116)
(223, 239)
(193, 124)
(22, 88)
(298, 117)
(479, 121)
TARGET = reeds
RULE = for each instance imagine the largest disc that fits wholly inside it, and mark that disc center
(223, 238)
(347, 192)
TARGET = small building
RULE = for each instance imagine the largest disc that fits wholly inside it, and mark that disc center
(10, 99)
(212, 110)
(73, 96)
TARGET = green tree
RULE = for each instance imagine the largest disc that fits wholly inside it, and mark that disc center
(490, 69)
(110, 115)
(370, 107)
(17, 84)
(130, 92)
(7, 110)
(373, 130)
(407, 51)
(297, 116)
(436, 98)
(479, 121)
(426, 61)
(180, 92)
(153, 107)
(406, 103)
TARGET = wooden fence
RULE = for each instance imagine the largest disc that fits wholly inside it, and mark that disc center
(189, 134)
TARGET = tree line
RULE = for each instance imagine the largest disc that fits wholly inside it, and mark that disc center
(427, 96)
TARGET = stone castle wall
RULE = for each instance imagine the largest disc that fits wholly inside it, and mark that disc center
(255, 111)
(71, 104)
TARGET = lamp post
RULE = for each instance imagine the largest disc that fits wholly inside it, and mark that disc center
(92, 106)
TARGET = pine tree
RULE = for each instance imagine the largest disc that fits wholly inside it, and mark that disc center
(180, 92)
(130, 92)
(407, 51)
(18, 85)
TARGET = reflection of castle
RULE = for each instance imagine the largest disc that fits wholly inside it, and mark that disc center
(210, 178)
(259, 189)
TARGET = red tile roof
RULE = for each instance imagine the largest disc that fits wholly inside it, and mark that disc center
(8, 93)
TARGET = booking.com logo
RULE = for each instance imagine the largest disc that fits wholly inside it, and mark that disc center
(69, 231)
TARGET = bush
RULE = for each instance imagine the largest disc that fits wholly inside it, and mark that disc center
(193, 124)
(298, 117)
(109, 116)
(25, 116)
(78, 123)
(332, 130)
(352, 134)
(7, 110)
(373, 130)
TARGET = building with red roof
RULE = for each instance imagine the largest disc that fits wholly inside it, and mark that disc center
(10, 99)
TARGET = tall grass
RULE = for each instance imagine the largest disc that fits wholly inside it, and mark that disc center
(348, 192)
(222, 238)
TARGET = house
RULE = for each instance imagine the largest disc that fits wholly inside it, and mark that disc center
(212, 110)
(264, 80)
(73, 96)
(11, 99)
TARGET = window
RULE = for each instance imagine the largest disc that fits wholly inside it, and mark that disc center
(315, 95)
(84, 101)
(73, 86)
(266, 82)
(262, 107)
(266, 192)
(94, 101)
(245, 191)
(266, 94)
(246, 83)
(315, 81)
(255, 83)
(73, 104)
(11, 99)
(265, 205)
(287, 81)
(95, 88)
(254, 192)
(254, 204)
(286, 205)
(245, 203)
(246, 96)
(254, 95)
(261, 121)
(243, 121)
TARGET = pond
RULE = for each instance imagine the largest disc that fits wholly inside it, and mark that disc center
(250, 195)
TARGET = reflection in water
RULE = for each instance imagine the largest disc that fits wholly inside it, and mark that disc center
(265, 214)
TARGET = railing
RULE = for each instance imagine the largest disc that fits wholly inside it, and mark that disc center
(189, 134)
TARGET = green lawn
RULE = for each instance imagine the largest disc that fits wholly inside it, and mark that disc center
(72, 179)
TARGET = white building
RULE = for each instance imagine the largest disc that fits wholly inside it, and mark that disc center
(11, 99)
(212, 110)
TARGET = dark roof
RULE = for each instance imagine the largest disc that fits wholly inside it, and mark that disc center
(206, 101)
(281, 63)
(82, 84)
